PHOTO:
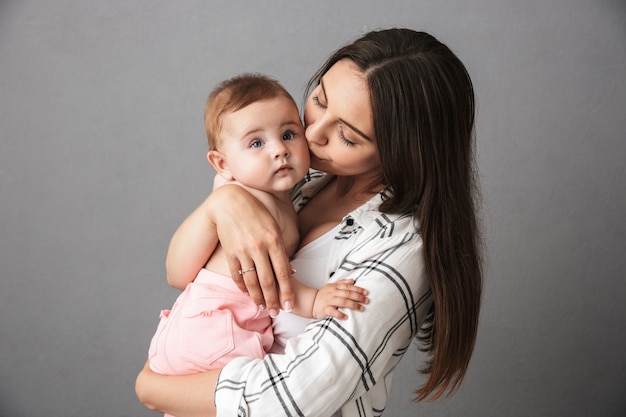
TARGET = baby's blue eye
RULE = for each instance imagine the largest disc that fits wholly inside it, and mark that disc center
(288, 135)
(256, 144)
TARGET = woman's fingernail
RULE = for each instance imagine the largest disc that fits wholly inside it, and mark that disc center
(288, 306)
(273, 313)
(261, 307)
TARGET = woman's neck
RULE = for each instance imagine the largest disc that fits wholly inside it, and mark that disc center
(334, 201)
(357, 189)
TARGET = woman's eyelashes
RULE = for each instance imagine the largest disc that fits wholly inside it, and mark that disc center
(344, 139)
(317, 102)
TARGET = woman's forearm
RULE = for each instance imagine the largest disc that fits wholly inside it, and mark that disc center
(182, 396)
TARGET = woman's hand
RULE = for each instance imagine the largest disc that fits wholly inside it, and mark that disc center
(251, 238)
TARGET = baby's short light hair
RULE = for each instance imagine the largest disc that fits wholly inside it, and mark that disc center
(234, 94)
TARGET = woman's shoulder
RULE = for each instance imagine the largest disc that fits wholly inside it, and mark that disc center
(369, 216)
(304, 190)
(368, 233)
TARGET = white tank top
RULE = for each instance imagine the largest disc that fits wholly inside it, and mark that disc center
(310, 264)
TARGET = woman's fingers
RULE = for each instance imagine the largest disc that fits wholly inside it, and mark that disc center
(259, 277)
(251, 238)
(234, 265)
(282, 273)
(262, 286)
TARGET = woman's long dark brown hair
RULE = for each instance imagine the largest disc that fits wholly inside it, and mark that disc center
(423, 109)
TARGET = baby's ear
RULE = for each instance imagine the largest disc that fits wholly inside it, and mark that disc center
(218, 161)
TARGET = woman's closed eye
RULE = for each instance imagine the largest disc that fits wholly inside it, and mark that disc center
(344, 139)
(317, 102)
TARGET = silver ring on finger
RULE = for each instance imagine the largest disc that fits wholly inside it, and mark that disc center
(243, 271)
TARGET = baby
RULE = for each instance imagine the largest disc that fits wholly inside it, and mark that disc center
(256, 140)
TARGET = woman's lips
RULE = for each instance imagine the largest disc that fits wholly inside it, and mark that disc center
(314, 157)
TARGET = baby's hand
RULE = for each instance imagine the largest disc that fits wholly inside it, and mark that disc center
(340, 294)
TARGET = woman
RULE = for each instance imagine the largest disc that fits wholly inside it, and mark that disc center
(390, 121)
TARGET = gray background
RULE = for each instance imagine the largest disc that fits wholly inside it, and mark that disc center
(102, 155)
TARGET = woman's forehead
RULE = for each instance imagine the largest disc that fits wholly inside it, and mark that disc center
(347, 94)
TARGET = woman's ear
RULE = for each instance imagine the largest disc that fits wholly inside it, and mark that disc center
(218, 161)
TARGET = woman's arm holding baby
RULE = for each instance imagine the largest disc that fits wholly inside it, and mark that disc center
(250, 236)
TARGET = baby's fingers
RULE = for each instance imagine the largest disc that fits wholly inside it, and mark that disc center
(330, 311)
(348, 285)
(353, 303)
(353, 298)
(351, 292)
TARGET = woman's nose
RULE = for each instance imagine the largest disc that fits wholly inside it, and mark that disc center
(315, 133)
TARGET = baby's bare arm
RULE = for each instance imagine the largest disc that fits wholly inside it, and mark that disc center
(326, 302)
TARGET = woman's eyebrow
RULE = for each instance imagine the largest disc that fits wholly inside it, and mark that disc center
(351, 126)
(323, 88)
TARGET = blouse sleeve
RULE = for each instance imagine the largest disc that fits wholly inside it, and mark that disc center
(337, 361)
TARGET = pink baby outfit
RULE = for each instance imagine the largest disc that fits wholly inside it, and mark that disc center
(211, 322)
